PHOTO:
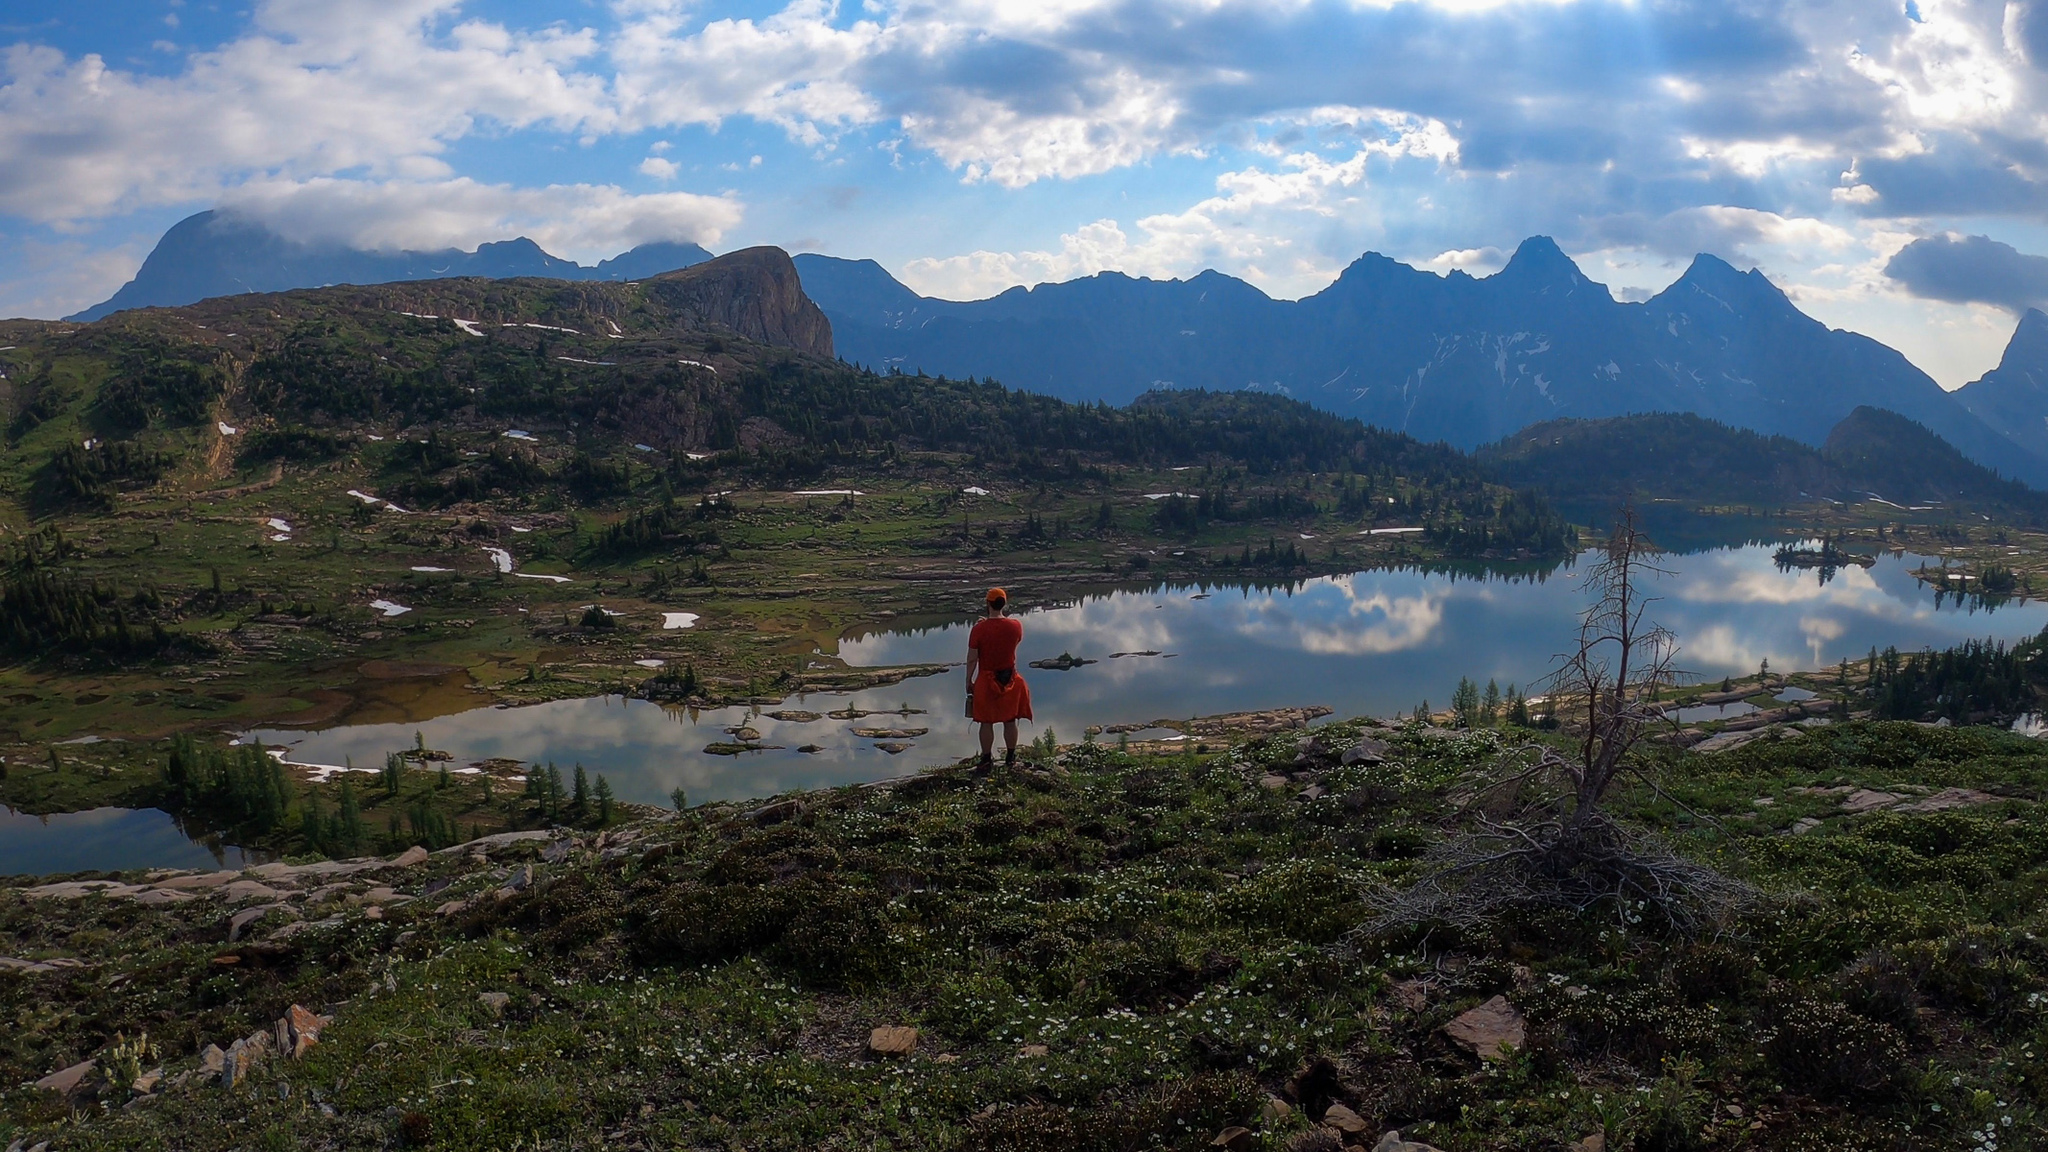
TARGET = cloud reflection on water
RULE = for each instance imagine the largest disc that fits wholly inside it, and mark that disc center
(1373, 643)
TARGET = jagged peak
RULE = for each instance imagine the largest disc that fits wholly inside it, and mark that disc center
(1540, 259)
(1711, 276)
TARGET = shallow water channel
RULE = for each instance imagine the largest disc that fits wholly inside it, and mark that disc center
(1370, 643)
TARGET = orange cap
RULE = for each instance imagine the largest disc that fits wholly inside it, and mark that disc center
(998, 596)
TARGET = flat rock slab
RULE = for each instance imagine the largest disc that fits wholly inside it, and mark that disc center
(1949, 798)
(1727, 741)
(57, 965)
(890, 733)
(496, 840)
(1490, 1030)
(197, 882)
(65, 1080)
(80, 889)
(1868, 800)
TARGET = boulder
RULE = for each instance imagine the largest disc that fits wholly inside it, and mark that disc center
(1597, 1142)
(1234, 1139)
(1366, 751)
(495, 1001)
(410, 858)
(1274, 1111)
(1274, 783)
(65, 1081)
(779, 812)
(1344, 1120)
(892, 1040)
(248, 916)
(298, 1030)
(1490, 1030)
(1033, 1051)
(212, 1060)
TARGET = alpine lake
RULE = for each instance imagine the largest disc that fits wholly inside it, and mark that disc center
(1377, 643)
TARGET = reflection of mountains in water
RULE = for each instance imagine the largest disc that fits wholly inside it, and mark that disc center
(1683, 529)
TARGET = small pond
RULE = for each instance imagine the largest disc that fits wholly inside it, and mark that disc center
(108, 839)
(1371, 643)
(1700, 713)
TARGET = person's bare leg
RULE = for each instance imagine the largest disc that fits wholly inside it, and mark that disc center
(1010, 741)
(988, 742)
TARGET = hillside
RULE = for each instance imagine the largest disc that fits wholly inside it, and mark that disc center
(228, 491)
(1463, 359)
(1869, 454)
(221, 254)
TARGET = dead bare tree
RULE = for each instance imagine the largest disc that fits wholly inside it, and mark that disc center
(1622, 662)
(1559, 848)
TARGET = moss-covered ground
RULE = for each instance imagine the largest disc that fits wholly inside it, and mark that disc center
(1105, 951)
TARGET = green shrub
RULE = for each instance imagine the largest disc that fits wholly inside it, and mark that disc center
(1821, 1047)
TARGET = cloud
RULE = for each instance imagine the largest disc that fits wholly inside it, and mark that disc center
(659, 168)
(1249, 228)
(1971, 269)
(574, 220)
(313, 89)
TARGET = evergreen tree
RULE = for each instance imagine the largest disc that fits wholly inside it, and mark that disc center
(579, 801)
(1465, 703)
(351, 819)
(604, 800)
(1490, 707)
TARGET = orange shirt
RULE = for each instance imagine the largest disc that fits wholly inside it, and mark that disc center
(996, 638)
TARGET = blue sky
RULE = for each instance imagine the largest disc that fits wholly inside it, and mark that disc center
(973, 144)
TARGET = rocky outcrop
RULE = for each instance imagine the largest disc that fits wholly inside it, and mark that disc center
(754, 293)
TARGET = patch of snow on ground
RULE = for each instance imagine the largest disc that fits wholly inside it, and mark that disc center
(517, 528)
(698, 455)
(538, 576)
(520, 434)
(365, 497)
(377, 438)
(280, 538)
(317, 773)
(550, 328)
(430, 568)
(679, 620)
(227, 429)
(278, 524)
(1163, 495)
(974, 491)
(389, 608)
(643, 447)
(501, 558)
(595, 363)
(650, 663)
(699, 364)
(1388, 531)
(830, 492)
(468, 326)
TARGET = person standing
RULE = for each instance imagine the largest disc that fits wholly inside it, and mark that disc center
(998, 695)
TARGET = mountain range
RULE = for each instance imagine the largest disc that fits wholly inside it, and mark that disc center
(222, 254)
(1457, 358)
